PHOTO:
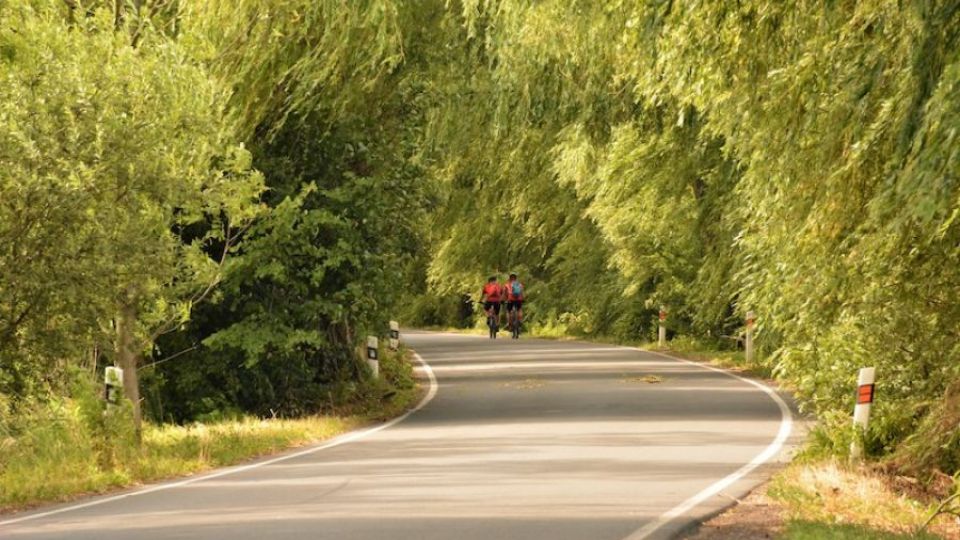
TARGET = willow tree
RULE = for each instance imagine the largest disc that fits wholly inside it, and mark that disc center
(547, 154)
(120, 154)
(327, 95)
(791, 158)
(838, 118)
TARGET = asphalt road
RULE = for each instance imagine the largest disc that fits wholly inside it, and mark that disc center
(523, 439)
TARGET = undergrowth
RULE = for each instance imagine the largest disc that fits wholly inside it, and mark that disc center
(830, 499)
(78, 445)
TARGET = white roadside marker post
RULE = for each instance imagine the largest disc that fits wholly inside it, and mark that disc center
(662, 332)
(113, 385)
(372, 360)
(394, 335)
(861, 412)
(748, 337)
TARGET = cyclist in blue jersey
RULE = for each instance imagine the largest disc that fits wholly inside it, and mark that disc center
(515, 296)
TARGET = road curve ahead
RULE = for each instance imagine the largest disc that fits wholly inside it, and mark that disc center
(525, 439)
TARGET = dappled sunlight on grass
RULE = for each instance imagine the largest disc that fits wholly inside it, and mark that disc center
(813, 530)
(845, 502)
(75, 446)
(170, 450)
(71, 467)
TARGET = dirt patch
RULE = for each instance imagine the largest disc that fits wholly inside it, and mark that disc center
(755, 517)
(940, 486)
(759, 516)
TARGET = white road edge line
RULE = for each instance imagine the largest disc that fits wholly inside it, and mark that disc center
(337, 441)
(786, 426)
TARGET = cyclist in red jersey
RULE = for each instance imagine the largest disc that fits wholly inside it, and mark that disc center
(515, 296)
(491, 296)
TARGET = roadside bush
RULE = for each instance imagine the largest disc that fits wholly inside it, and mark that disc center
(66, 445)
(935, 445)
(385, 396)
(449, 310)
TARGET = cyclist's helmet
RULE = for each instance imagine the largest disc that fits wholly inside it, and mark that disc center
(513, 275)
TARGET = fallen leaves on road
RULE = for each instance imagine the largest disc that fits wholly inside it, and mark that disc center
(649, 379)
(526, 384)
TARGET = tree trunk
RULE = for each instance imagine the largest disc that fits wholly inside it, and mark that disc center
(128, 359)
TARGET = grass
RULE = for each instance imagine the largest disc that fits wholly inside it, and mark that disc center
(171, 450)
(734, 360)
(478, 330)
(813, 530)
(71, 448)
(828, 500)
(72, 468)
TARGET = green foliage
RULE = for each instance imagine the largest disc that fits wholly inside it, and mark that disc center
(76, 445)
(794, 159)
(797, 159)
(119, 172)
(812, 530)
(441, 311)
(935, 445)
(131, 196)
(288, 59)
(72, 444)
(330, 260)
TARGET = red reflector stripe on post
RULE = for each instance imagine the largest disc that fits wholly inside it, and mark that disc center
(865, 394)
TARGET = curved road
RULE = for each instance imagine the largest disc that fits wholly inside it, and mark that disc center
(525, 439)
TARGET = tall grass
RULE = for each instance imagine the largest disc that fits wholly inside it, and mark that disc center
(813, 530)
(827, 499)
(77, 445)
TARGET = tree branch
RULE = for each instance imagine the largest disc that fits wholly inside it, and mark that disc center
(171, 357)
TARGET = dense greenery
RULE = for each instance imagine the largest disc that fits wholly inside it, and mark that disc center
(798, 159)
(231, 194)
(71, 447)
(119, 173)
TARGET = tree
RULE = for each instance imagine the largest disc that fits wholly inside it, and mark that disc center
(120, 172)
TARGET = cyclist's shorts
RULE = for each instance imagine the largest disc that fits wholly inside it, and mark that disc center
(514, 305)
(495, 305)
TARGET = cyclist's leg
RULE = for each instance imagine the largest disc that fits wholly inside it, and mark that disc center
(488, 307)
(519, 317)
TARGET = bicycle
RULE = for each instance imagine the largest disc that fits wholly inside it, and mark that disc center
(493, 321)
(514, 323)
